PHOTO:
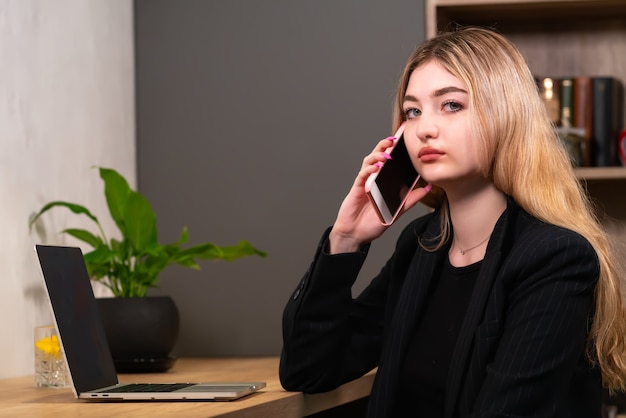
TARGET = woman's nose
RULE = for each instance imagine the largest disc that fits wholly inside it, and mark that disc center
(426, 128)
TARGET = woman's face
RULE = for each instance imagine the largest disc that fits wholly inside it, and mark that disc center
(437, 132)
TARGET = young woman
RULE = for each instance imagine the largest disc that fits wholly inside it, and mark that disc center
(502, 302)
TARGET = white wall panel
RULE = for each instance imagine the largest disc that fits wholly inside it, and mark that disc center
(66, 104)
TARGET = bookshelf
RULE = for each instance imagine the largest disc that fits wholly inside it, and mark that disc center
(560, 38)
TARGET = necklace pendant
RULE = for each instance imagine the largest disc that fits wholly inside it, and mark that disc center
(462, 252)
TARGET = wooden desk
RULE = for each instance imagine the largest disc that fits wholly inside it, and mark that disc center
(20, 398)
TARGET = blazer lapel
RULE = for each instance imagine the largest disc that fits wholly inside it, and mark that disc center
(476, 309)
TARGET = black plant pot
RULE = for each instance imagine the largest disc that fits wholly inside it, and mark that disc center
(141, 332)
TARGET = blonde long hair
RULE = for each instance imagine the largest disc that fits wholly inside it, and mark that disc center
(523, 156)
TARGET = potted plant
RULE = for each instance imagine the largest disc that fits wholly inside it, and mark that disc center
(130, 266)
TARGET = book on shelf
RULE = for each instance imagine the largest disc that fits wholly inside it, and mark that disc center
(573, 138)
(583, 114)
(607, 120)
(566, 102)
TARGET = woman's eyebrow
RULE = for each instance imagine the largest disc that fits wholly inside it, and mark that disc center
(446, 90)
(437, 93)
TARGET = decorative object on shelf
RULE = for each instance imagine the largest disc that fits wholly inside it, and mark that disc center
(131, 265)
(550, 97)
(574, 141)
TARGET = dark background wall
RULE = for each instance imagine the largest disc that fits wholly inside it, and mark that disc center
(253, 118)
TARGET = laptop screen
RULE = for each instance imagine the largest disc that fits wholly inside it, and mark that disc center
(77, 318)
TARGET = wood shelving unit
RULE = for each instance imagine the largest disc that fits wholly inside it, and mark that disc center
(559, 38)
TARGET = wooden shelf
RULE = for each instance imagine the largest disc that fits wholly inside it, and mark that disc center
(523, 14)
(601, 173)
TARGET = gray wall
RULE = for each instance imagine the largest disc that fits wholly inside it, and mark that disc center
(253, 118)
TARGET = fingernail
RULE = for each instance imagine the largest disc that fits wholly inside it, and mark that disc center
(378, 164)
(387, 156)
(428, 187)
(391, 138)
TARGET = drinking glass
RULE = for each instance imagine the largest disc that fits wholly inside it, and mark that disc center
(50, 368)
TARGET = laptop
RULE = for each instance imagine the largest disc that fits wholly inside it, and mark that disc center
(83, 340)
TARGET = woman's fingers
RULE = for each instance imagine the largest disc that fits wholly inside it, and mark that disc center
(415, 196)
(375, 160)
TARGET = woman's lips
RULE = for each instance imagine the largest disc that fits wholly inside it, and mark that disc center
(429, 154)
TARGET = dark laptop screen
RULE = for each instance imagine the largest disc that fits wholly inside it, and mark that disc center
(78, 320)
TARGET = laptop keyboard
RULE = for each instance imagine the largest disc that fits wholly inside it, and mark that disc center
(148, 387)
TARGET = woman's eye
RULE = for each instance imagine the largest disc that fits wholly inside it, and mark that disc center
(411, 113)
(453, 106)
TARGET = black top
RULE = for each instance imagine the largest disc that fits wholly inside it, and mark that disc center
(425, 368)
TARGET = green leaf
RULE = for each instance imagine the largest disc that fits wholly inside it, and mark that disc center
(78, 209)
(242, 249)
(99, 255)
(99, 262)
(210, 251)
(184, 236)
(116, 190)
(140, 222)
(85, 236)
(189, 262)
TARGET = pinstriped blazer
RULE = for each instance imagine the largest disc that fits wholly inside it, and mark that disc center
(521, 349)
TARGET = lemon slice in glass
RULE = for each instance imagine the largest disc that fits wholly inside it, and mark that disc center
(49, 345)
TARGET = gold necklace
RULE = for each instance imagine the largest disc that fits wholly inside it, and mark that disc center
(471, 248)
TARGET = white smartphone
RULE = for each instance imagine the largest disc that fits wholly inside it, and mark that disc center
(390, 186)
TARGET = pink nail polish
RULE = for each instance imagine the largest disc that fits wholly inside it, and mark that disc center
(391, 138)
(387, 156)
(379, 164)
(428, 187)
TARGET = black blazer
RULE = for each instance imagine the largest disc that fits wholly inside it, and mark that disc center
(521, 350)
